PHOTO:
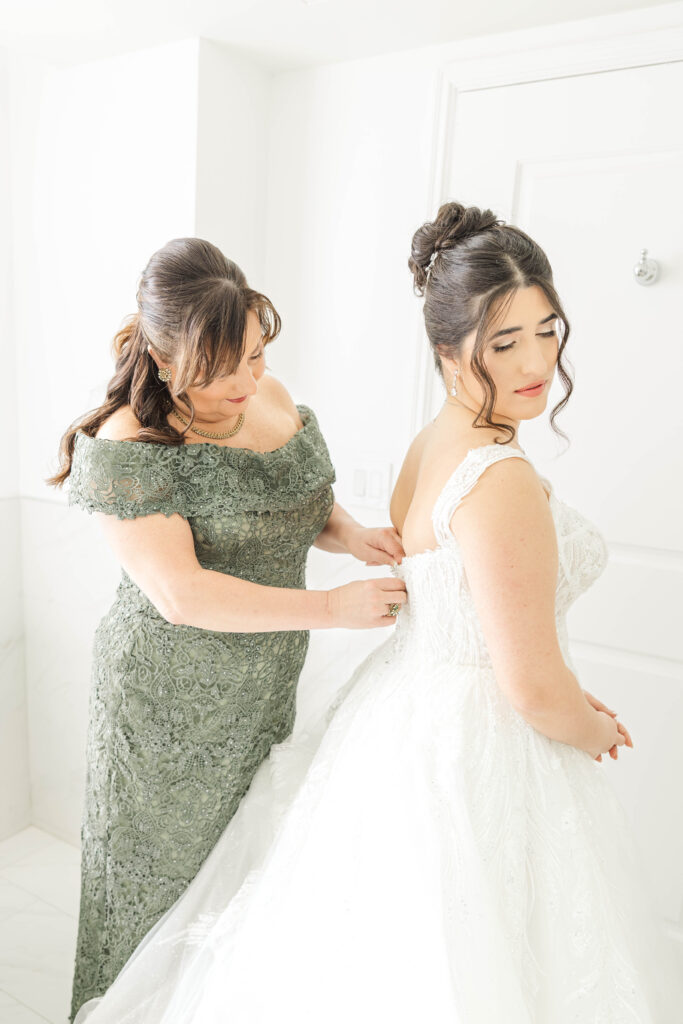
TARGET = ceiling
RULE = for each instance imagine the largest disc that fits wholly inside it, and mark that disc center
(280, 34)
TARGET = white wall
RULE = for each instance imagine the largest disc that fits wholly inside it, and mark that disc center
(231, 154)
(102, 185)
(114, 179)
(14, 789)
(111, 159)
(350, 158)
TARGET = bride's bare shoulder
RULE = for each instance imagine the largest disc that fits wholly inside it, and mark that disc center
(437, 451)
(122, 425)
(433, 456)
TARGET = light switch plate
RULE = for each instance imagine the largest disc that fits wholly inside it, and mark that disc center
(371, 482)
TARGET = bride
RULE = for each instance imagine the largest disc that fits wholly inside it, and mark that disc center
(443, 846)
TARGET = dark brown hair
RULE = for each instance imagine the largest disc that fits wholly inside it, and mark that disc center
(192, 310)
(468, 264)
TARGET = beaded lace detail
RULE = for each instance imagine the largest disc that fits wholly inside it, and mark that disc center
(133, 478)
(582, 558)
(181, 717)
(419, 851)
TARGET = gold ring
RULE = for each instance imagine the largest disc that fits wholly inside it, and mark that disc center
(393, 609)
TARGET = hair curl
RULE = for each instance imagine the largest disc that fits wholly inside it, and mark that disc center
(468, 264)
(192, 310)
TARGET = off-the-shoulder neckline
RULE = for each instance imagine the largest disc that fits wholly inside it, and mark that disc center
(306, 415)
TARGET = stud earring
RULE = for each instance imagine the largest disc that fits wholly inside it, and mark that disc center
(165, 374)
(453, 391)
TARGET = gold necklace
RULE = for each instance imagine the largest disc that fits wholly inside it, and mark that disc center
(209, 433)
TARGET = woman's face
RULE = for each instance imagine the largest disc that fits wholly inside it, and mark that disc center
(226, 397)
(521, 350)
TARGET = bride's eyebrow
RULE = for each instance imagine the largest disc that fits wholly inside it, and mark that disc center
(513, 330)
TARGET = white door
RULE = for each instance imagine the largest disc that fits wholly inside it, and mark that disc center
(591, 166)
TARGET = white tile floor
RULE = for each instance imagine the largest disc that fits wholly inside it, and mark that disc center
(39, 880)
(39, 889)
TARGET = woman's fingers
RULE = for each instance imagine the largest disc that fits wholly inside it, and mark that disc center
(598, 704)
(395, 590)
(625, 733)
(395, 547)
(386, 545)
(382, 559)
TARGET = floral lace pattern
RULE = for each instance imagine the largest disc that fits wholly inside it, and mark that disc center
(181, 717)
(420, 852)
(582, 555)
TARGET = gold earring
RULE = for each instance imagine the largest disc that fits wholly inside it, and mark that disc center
(165, 374)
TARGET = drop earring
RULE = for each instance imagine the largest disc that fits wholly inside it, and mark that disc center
(165, 374)
(453, 391)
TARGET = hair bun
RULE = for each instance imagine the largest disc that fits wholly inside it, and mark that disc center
(452, 224)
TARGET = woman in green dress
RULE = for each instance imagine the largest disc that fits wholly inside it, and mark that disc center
(211, 485)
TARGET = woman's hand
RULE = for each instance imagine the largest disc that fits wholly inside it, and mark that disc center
(375, 545)
(365, 604)
(621, 728)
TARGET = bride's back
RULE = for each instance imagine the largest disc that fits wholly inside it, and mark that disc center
(429, 462)
(497, 540)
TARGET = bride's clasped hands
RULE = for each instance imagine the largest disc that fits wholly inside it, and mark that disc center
(623, 735)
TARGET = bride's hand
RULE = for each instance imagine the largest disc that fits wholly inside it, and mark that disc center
(375, 545)
(599, 706)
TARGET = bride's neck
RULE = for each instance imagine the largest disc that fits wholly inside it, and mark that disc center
(468, 415)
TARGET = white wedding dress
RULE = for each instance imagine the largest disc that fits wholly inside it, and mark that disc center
(423, 854)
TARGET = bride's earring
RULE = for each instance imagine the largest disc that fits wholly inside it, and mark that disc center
(453, 391)
(165, 374)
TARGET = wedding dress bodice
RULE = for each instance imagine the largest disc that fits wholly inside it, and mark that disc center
(421, 852)
(439, 620)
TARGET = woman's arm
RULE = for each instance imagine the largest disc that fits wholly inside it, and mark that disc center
(335, 534)
(506, 532)
(343, 534)
(158, 554)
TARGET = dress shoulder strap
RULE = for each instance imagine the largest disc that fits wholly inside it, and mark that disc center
(461, 482)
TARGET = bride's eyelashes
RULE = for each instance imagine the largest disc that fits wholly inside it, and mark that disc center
(503, 348)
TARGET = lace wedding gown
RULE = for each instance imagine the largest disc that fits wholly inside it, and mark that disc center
(420, 854)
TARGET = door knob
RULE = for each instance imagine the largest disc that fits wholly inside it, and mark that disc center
(645, 270)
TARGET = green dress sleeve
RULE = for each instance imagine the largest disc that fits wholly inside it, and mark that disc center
(124, 478)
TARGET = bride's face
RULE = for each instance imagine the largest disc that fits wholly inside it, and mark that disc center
(520, 350)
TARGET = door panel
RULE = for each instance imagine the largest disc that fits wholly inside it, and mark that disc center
(591, 166)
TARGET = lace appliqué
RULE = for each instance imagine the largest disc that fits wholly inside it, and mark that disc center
(131, 478)
(180, 717)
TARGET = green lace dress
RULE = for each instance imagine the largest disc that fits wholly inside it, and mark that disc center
(181, 717)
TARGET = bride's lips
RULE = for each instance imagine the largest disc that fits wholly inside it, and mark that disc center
(242, 399)
(533, 389)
